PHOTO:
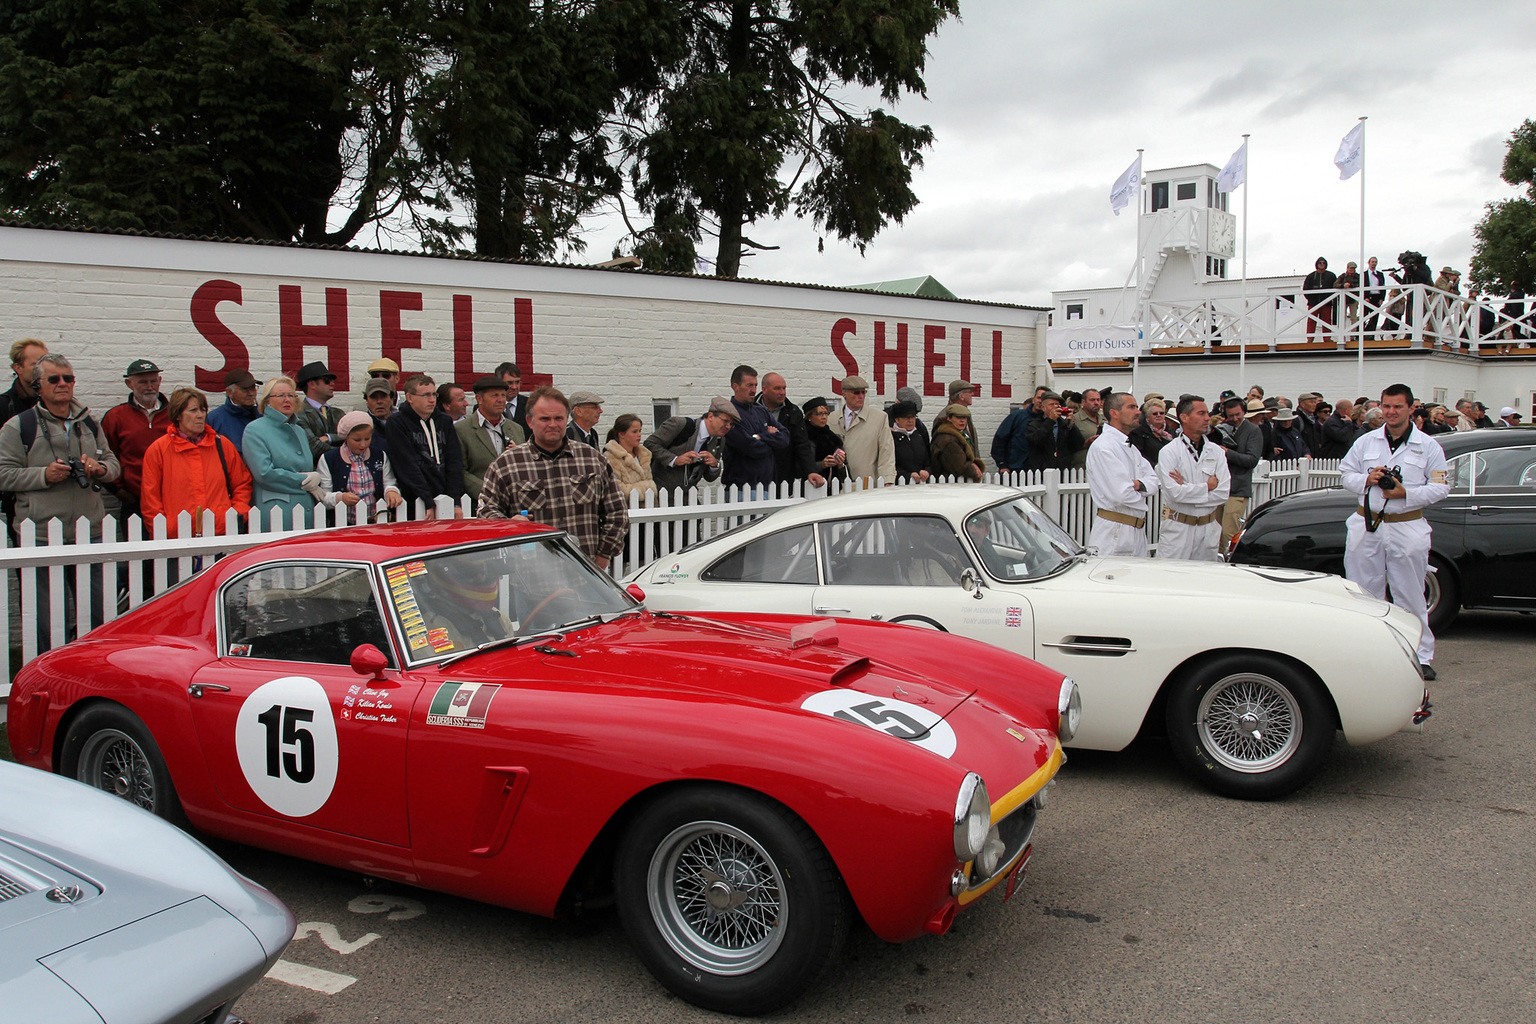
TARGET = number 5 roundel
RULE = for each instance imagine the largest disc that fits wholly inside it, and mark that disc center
(893, 717)
(285, 738)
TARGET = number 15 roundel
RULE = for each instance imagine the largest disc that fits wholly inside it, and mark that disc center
(285, 738)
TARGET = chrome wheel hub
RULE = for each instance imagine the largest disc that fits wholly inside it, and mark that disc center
(717, 897)
(1249, 723)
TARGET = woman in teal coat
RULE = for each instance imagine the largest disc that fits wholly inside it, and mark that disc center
(276, 451)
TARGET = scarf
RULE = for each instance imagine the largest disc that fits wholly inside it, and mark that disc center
(359, 476)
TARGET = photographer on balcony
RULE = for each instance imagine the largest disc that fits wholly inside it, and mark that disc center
(1397, 471)
(54, 458)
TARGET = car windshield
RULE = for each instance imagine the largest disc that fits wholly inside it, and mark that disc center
(1016, 541)
(456, 601)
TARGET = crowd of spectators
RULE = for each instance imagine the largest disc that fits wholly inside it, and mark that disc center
(1336, 304)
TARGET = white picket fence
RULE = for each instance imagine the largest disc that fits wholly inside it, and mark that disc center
(138, 568)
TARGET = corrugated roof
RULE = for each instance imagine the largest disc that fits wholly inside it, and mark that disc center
(474, 258)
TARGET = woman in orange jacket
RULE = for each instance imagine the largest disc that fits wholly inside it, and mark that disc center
(193, 468)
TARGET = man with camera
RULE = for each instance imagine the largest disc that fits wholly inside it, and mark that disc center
(1053, 439)
(54, 457)
(1398, 472)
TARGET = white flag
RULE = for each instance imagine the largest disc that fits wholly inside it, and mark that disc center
(1126, 186)
(1236, 171)
(1351, 155)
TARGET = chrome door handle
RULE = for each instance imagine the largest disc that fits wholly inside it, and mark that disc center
(196, 689)
(824, 610)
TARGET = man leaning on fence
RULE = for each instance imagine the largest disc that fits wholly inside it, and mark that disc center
(557, 481)
(55, 459)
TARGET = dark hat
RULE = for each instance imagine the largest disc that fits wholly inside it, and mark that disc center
(956, 409)
(1049, 394)
(1229, 393)
(139, 366)
(312, 371)
(722, 405)
(377, 386)
(490, 382)
(1271, 404)
(901, 409)
(239, 379)
(957, 386)
(814, 403)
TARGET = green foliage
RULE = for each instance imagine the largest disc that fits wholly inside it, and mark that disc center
(757, 92)
(1504, 257)
(217, 118)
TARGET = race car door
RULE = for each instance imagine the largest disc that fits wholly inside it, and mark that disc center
(287, 728)
(910, 569)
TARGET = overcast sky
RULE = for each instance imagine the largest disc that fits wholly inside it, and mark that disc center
(1038, 107)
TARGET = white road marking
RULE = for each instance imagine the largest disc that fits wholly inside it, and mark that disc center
(309, 977)
(328, 934)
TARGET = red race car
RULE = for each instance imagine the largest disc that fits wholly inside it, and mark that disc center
(472, 707)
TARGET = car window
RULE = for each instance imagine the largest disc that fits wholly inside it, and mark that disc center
(454, 601)
(1016, 541)
(893, 551)
(1506, 471)
(1459, 472)
(788, 556)
(302, 612)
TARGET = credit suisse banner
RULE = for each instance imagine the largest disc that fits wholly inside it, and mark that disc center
(1079, 343)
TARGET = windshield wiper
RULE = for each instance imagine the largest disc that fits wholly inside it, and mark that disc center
(506, 641)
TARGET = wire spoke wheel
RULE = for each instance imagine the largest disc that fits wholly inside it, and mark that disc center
(717, 897)
(113, 761)
(1250, 723)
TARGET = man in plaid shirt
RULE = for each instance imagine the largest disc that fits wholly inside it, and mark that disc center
(549, 480)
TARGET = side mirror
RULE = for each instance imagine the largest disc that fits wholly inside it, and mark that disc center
(368, 660)
(634, 591)
(971, 583)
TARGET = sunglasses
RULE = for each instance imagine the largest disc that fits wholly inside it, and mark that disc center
(377, 373)
(854, 391)
(66, 378)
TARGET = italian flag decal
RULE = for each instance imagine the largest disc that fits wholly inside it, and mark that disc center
(461, 704)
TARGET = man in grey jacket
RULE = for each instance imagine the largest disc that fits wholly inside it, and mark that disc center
(686, 450)
(1244, 443)
(59, 475)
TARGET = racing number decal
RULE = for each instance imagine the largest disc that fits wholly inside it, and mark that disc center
(285, 738)
(893, 717)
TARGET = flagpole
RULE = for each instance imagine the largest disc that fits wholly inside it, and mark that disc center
(1360, 269)
(1242, 334)
(1140, 317)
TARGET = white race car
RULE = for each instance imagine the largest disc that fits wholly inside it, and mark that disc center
(1252, 669)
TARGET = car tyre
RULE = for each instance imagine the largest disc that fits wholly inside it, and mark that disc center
(1250, 726)
(729, 899)
(107, 747)
(1442, 595)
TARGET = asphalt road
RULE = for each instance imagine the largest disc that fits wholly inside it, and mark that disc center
(1399, 886)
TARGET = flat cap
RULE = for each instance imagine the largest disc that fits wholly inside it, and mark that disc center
(722, 405)
(383, 366)
(855, 383)
(1307, 396)
(239, 379)
(586, 398)
(957, 386)
(956, 409)
(491, 382)
(378, 386)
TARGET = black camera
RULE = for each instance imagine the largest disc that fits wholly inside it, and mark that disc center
(1391, 477)
(79, 474)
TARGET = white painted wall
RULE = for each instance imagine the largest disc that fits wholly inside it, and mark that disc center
(105, 300)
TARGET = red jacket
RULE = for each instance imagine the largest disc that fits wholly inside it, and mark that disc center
(130, 431)
(180, 476)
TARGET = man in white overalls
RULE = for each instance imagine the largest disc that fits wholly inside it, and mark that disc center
(1120, 481)
(1391, 548)
(1195, 482)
